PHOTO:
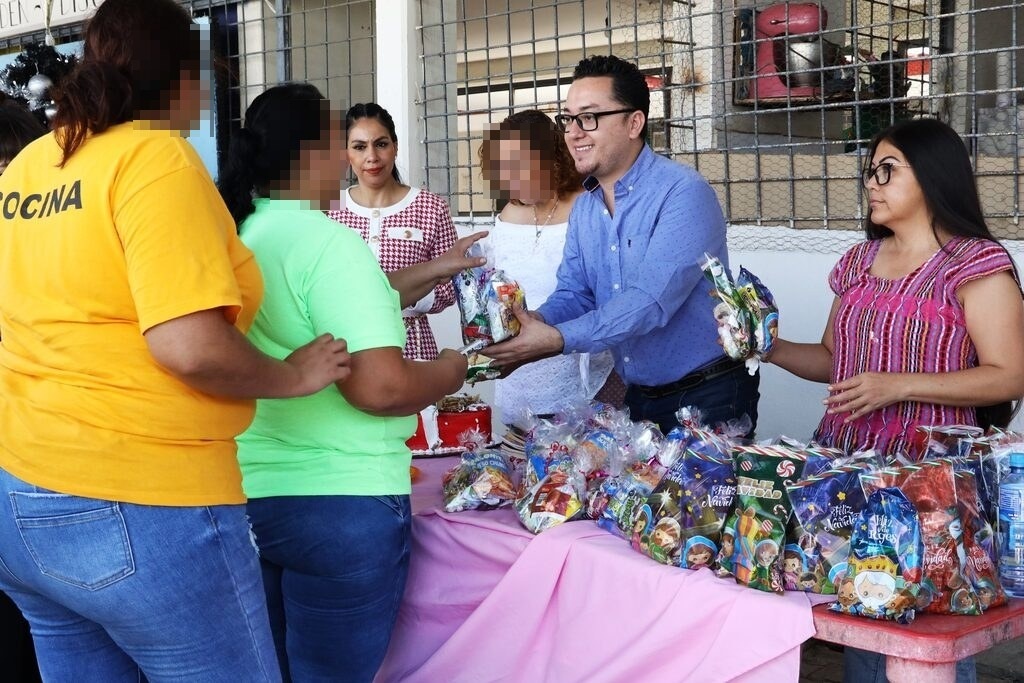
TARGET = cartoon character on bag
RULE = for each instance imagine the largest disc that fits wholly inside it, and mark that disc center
(846, 593)
(792, 567)
(700, 551)
(639, 539)
(808, 582)
(664, 541)
(765, 572)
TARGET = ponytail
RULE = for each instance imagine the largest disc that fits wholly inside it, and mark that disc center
(263, 152)
(238, 176)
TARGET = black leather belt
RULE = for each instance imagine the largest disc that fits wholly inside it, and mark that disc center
(692, 380)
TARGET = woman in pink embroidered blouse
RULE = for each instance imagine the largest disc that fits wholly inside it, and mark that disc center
(403, 225)
(927, 327)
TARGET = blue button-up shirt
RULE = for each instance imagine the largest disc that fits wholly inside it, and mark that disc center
(631, 282)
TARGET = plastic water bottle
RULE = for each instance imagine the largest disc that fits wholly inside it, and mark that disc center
(1011, 528)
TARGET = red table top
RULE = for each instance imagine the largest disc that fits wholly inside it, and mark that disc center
(931, 637)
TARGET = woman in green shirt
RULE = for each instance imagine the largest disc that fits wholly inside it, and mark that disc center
(327, 475)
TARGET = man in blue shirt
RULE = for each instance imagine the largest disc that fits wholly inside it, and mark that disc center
(629, 280)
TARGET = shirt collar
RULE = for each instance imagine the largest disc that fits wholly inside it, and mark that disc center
(636, 171)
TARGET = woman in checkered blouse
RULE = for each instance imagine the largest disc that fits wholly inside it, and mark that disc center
(403, 225)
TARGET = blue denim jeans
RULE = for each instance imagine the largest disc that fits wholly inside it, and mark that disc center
(117, 592)
(862, 666)
(334, 569)
(720, 399)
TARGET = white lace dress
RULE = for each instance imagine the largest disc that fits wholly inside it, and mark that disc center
(545, 385)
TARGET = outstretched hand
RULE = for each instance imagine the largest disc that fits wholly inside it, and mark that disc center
(536, 339)
(455, 260)
(864, 393)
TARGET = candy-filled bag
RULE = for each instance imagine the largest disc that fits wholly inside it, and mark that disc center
(885, 560)
(979, 543)
(665, 516)
(826, 506)
(624, 512)
(486, 297)
(482, 480)
(930, 486)
(758, 522)
(667, 509)
(709, 491)
(764, 313)
(735, 324)
(555, 499)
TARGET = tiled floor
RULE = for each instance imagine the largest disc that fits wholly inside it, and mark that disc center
(820, 663)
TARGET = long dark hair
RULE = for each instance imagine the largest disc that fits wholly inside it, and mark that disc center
(263, 153)
(538, 130)
(372, 110)
(18, 127)
(940, 162)
(136, 52)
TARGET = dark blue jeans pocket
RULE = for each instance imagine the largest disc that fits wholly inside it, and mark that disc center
(79, 541)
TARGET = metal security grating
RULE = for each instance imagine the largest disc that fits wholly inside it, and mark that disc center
(260, 43)
(773, 102)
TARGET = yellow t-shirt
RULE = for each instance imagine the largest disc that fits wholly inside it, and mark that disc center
(129, 234)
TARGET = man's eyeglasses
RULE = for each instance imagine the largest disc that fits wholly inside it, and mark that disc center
(881, 173)
(586, 121)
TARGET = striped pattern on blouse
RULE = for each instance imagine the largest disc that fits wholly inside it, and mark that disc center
(910, 324)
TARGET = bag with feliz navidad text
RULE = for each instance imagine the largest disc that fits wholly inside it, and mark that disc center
(757, 525)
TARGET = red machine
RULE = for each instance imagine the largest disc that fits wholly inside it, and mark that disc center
(789, 50)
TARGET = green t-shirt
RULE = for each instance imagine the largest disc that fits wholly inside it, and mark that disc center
(320, 277)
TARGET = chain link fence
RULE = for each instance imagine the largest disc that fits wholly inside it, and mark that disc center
(773, 102)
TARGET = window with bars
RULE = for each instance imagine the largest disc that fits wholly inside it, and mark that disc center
(773, 102)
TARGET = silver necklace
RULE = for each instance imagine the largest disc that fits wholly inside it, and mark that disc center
(537, 225)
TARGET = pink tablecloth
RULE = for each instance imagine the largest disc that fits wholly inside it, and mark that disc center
(488, 601)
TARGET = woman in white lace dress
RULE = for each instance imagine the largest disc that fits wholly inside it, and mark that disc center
(526, 163)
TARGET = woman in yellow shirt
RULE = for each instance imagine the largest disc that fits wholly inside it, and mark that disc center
(125, 376)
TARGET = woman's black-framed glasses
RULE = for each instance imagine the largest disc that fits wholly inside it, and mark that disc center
(586, 120)
(882, 173)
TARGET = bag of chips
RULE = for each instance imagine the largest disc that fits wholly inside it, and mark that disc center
(482, 480)
(885, 560)
(826, 507)
(930, 486)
